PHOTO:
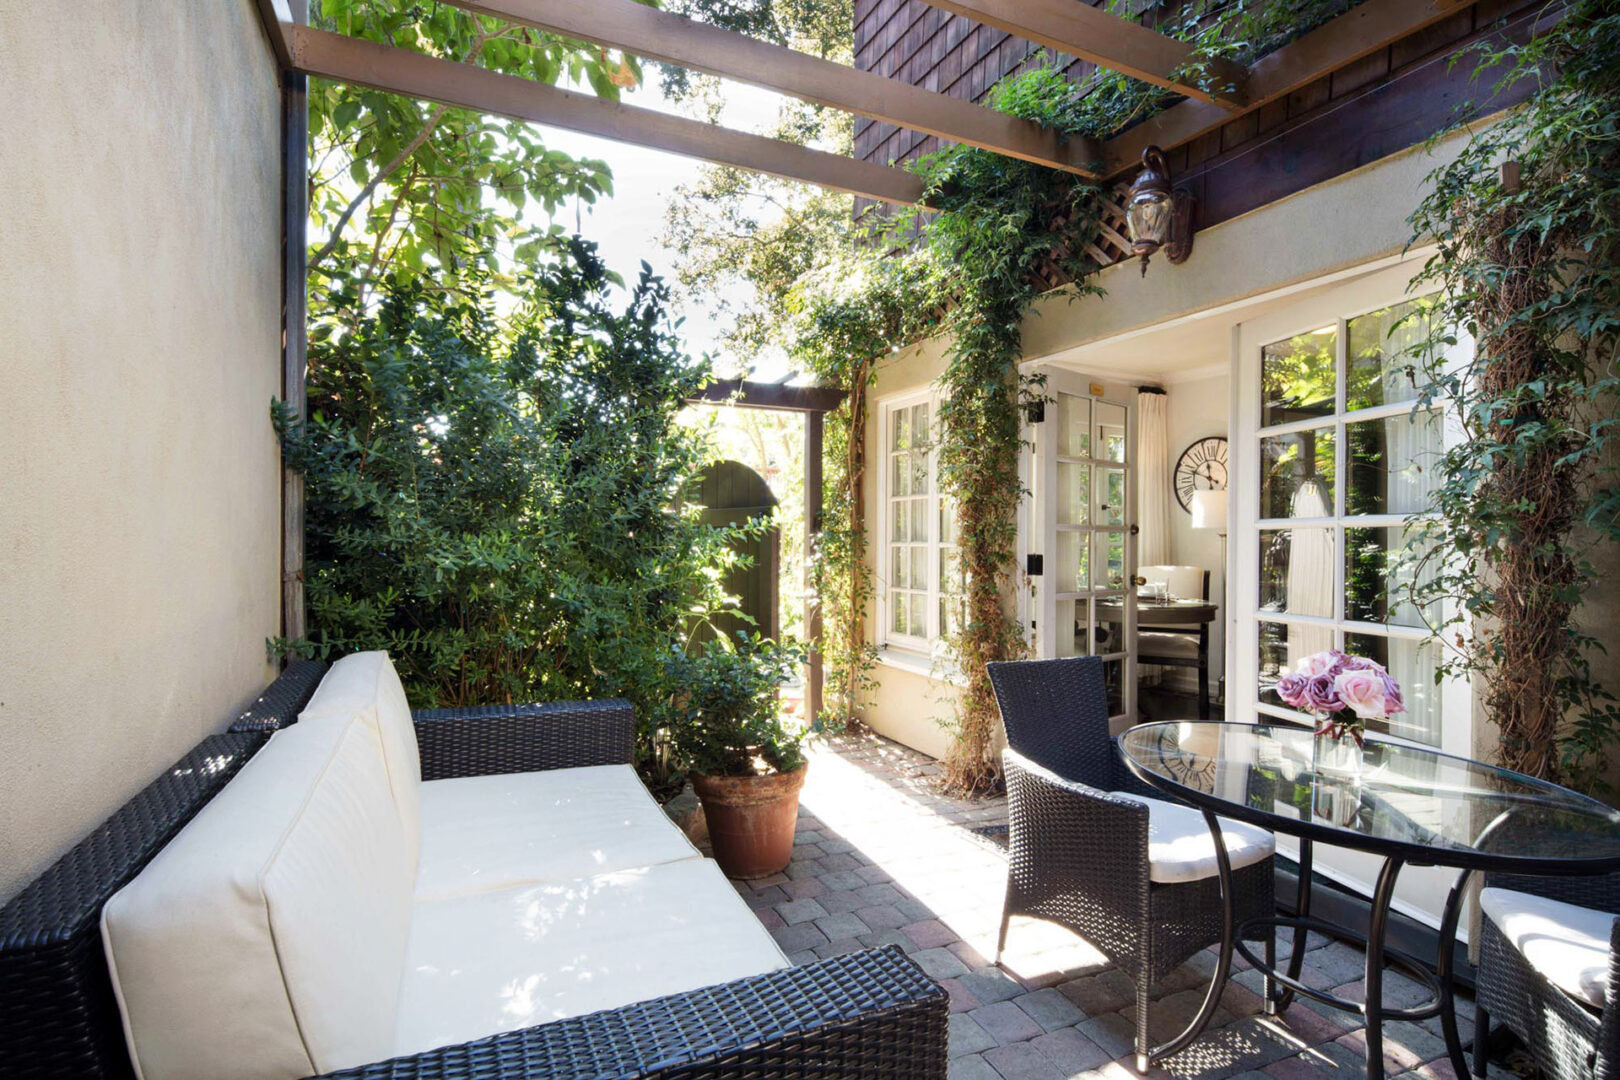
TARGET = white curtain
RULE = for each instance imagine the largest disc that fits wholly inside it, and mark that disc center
(1153, 475)
(1310, 574)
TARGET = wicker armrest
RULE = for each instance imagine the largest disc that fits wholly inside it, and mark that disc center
(1059, 821)
(524, 738)
(865, 1014)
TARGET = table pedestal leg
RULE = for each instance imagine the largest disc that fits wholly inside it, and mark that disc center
(1302, 909)
(1443, 969)
(1373, 1003)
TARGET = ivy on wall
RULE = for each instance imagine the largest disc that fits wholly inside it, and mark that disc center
(1529, 266)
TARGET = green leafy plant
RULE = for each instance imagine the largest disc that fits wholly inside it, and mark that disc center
(1529, 267)
(497, 501)
(726, 719)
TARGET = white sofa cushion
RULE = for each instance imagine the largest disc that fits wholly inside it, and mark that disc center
(366, 684)
(1566, 944)
(496, 832)
(267, 939)
(497, 961)
(1180, 847)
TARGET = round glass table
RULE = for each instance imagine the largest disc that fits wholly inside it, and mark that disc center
(1408, 804)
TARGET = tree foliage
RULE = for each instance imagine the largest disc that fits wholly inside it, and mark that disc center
(497, 502)
(1531, 271)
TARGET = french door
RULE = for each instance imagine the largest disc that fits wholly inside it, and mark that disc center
(1080, 533)
(1333, 457)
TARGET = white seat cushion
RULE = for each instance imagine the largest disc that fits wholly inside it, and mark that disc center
(366, 685)
(1180, 646)
(497, 961)
(1180, 847)
(495, 832)
(267, 939)
(1566, 944)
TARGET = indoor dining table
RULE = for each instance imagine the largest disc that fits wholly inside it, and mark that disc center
(1407, 804)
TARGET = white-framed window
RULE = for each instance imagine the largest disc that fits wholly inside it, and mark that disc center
(919, 577)
(1343, 458)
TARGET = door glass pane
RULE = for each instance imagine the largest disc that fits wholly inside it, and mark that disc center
(919, 613)
(901, 567)
(1074, 426)
(1110, 444)
(1394, 463)
(1110, 560)
(900, 438)
(1296, 571)
(1297, 474)
(1297, 377)
(1073, 569)
(1282, 647)
(919, 519)
(1412, 664)
(899, 525)
(1110, 496)
(1072, 638)
(900, 475)
(1073, 490)
(1382, 369)
(900, 612)
(1379, 568)
(919, 425)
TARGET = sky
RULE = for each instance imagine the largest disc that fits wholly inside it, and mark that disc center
(627, 226)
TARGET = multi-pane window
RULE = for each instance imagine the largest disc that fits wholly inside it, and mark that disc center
(921, 587)
(1347, 457)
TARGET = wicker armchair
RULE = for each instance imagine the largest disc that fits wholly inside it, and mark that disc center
(872, 1013)
(1078, 834)
(1570, 1039)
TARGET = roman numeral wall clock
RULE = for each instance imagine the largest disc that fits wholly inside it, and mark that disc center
(1201, 467)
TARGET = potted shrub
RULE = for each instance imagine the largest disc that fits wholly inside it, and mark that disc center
(746, 763)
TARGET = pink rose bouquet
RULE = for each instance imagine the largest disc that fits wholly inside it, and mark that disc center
(1342, 691)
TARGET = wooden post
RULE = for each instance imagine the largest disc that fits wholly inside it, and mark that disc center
(295, 328)
(812, 540)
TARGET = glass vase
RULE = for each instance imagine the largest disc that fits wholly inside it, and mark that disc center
(1337, 757)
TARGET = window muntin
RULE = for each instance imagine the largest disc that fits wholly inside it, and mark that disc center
(1345, 456)
(921, 589)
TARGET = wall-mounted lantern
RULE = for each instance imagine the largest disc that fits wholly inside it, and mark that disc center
(1159, 217)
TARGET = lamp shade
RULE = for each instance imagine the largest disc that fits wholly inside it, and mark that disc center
(1209, 510)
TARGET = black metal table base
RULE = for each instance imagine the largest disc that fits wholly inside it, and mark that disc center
(1281, 985)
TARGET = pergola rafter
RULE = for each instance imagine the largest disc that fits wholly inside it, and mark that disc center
(674, 39)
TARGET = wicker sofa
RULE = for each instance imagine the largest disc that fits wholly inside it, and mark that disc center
(497, 980)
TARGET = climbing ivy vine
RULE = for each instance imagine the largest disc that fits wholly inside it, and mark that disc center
(1528, 224)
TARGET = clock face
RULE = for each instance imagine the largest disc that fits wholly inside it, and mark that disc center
(1202, 467)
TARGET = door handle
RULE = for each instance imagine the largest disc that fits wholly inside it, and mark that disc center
(1136, 530)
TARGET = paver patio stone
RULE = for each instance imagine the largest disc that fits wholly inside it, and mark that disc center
(1093, 996)
(991, 984)
(961, 998)
(913, 910)
(841, 926)
(794, 912)
(1021, 1061)
(844, 881)
(764, 898)
(838, 902)
(1050, 1009)
(967, 1037)
(882, 917)
(879, 938)
(803, 868)
(803, 889)
(841, 861)
(1111, 1031)
(882, 893)
(838, 948)
(1070, 1051)
(803, 850)
(769, 919)
(799, 937)
(930, 934)
(873, 875)
(939, 963)
(972, 1067)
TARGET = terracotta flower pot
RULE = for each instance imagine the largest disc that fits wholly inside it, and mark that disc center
(751, 820)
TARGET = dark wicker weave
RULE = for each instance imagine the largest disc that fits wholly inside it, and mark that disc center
(280, 705)
(524, 738)
(1077, 855)
(1570, 1040)
(57, 1013)
(865, 1014)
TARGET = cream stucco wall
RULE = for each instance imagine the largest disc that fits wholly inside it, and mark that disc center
(139, 350)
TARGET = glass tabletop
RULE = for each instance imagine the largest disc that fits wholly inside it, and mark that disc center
(1406, 800)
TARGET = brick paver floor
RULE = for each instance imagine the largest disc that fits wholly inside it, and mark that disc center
(882, 857)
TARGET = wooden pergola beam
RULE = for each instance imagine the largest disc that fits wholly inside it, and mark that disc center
(777, 396)
(400, 71)
(1078, 29)
(673, 39)
(1347, 38)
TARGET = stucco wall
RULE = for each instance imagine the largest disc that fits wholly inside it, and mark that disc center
(139, 350)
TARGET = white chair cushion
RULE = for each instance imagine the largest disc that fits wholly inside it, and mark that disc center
(1566, 944)
(366, 684)
(1180, 646)
(497, 961)
(267, 939)
(1180, 847)
(495, 832)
